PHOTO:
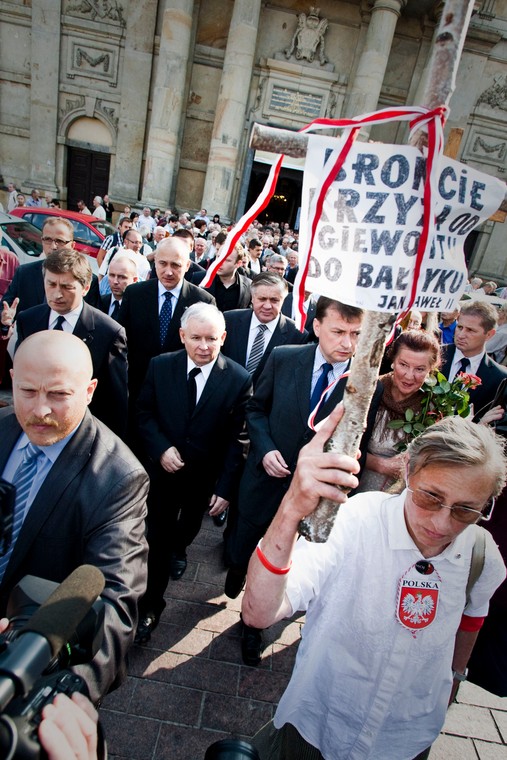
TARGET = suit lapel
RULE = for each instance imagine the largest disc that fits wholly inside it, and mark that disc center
(68, 465)
(333, 399)
(85, 326)
(213, 383)
(174, 324)
(303, 371)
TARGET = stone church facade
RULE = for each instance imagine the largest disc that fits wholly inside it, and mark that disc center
(153, 100)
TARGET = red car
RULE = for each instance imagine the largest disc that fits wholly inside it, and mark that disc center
(89, 232)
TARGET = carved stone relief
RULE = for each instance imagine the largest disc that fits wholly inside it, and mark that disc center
(308, 39)
(101, 10)
(74, 108)
(496, 95)
(92, 62)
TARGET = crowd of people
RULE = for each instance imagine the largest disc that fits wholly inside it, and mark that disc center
(143, 400)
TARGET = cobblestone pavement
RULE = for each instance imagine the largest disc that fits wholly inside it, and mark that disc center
(188, 687)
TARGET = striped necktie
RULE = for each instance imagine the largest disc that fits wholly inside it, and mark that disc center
(23, 479)
(257, 350)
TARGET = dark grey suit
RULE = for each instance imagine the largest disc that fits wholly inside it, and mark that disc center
(108, 347)
(277, 418)
(489, 371)
(237, 324)
(89, 510)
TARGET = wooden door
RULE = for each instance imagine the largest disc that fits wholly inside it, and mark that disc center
(87, 176)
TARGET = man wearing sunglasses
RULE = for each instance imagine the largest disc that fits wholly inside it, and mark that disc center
(389, 623)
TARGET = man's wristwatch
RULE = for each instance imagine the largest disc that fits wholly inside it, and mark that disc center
(460, 676)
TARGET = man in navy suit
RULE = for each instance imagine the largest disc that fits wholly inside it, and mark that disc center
(476, 324)
(268, 292)
(151, 311)
(277, 419)
(67, 276)
(194, 453)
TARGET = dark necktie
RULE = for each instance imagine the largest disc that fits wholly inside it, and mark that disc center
(463, 365)
(192, 388)
(59, 323)
(116, 309)
(257, 350)
(166, 313)
(23, 479)
(320, 385)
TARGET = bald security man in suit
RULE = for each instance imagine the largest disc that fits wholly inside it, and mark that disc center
(80, 492)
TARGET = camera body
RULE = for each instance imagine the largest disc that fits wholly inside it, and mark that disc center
(21, 716)
(20, 722)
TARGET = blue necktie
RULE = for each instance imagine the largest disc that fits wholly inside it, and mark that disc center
(320, 385)
(23, 479)
(166, 313)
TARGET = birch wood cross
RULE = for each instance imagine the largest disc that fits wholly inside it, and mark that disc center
(377, 325)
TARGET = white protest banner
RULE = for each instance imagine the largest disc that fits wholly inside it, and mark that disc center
(367, 238)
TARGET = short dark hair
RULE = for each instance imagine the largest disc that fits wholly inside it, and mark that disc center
(416, 340)
(173, 218)
(349, 313)
(63, 261)
(221, 238)
(269, 279)
(254, 243)
(486, 312)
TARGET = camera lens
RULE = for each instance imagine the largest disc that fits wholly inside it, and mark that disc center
(231, 749)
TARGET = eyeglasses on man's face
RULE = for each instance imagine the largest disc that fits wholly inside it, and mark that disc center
(57, 241)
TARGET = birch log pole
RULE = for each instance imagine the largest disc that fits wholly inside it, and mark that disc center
(377, 325)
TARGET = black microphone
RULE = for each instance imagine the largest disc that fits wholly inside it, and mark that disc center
(48, 631)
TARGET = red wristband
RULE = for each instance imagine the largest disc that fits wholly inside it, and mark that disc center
(471, 624)
(267, 564)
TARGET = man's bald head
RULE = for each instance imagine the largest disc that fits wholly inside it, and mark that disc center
(172, 260)
(52, 385)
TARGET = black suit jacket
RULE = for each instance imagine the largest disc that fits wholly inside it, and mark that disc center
(28, 285)
(139, 315)
(237, 324)
(207, 438)
(277, 418)
(90, 509)
(489, 371)
(108, 347)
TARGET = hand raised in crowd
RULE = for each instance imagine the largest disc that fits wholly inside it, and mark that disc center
(9, 312)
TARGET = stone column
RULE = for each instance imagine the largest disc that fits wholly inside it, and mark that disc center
(45, 70)
(168, 102)
(367, 84)
(231, 108)
(133, 109)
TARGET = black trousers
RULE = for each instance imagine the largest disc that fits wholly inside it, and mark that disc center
(176, 505)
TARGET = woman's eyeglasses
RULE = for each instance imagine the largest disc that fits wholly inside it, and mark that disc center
(431, 503)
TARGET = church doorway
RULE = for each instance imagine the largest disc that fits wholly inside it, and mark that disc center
(286, 201)
(87, 176)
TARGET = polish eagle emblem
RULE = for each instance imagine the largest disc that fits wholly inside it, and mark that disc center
(417, 609)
